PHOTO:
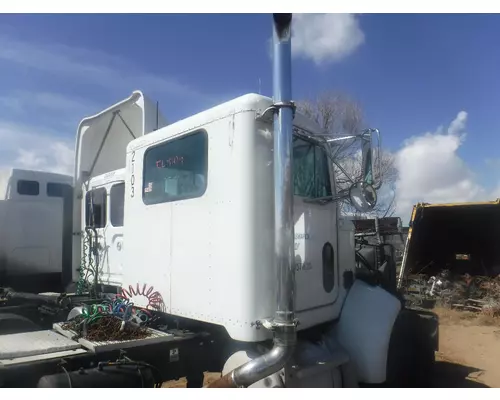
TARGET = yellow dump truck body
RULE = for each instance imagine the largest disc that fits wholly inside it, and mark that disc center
(460, 236)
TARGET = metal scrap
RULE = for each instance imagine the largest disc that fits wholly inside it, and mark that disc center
(466, 292)
(107, 328)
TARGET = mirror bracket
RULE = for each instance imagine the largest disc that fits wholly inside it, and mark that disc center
(271, 110)
(363, 201)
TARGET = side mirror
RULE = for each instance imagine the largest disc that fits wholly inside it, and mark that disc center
(363, 196)
(362, 193)
(367, 158)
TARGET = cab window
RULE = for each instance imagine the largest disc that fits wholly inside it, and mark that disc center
(28, 188)
(311, 170)
(95, 208)
(176, 170)
(116, 204)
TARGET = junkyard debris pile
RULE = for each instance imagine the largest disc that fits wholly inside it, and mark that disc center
(466, 292)
(113, 320)
(107, 328)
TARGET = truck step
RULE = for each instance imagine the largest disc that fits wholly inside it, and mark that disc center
(29, 344)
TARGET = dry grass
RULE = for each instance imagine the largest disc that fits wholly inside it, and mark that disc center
(466, 318)
(181, 383)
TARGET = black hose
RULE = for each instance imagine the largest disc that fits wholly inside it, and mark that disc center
(38, 298)
(94, 252)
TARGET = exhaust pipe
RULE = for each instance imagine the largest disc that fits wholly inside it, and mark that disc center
(284, 324)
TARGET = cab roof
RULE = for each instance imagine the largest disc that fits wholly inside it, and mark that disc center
(247, 103)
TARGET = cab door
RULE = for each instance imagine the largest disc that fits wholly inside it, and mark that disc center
(315, 229)
(104, 213)
(94, 250)
(114, 232)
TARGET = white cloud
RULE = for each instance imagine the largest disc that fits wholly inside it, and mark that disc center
(430, 169)
(21, 101)
(34, 145)
(326, 38)
(458, 125)
(56, 157)
(89, 66)
(30, 147)
(46, 141)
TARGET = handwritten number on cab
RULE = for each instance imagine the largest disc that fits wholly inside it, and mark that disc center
(132, 175)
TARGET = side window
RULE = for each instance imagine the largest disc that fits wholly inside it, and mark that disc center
(328, 256)
(176, 170)
(28, 188)
(311, 172)
(58, 189)
(116, 204)
(95, 208)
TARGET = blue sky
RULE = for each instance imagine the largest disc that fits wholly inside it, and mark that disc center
(411, 73)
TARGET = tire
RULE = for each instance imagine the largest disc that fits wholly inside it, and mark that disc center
(411, 356)
(13, 323)
(232, 347)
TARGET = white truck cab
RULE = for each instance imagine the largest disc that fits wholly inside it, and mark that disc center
(101, 143)
(35, 229)
(199, 223)
(230, 235)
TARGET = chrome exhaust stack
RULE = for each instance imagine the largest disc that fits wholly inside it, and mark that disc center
(284, 324)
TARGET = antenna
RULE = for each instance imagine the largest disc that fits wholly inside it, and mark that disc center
(260, 85)
(157, 113)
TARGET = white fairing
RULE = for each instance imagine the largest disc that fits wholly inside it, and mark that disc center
(365, 327)
(351, 350)
(101, 144)
(210, 257)
(103, 138)
(32, 222)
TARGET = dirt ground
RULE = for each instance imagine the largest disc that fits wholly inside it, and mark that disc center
(468, 357)
(181, 383)
(469, 350)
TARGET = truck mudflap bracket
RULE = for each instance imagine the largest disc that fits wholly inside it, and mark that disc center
(428, 324)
